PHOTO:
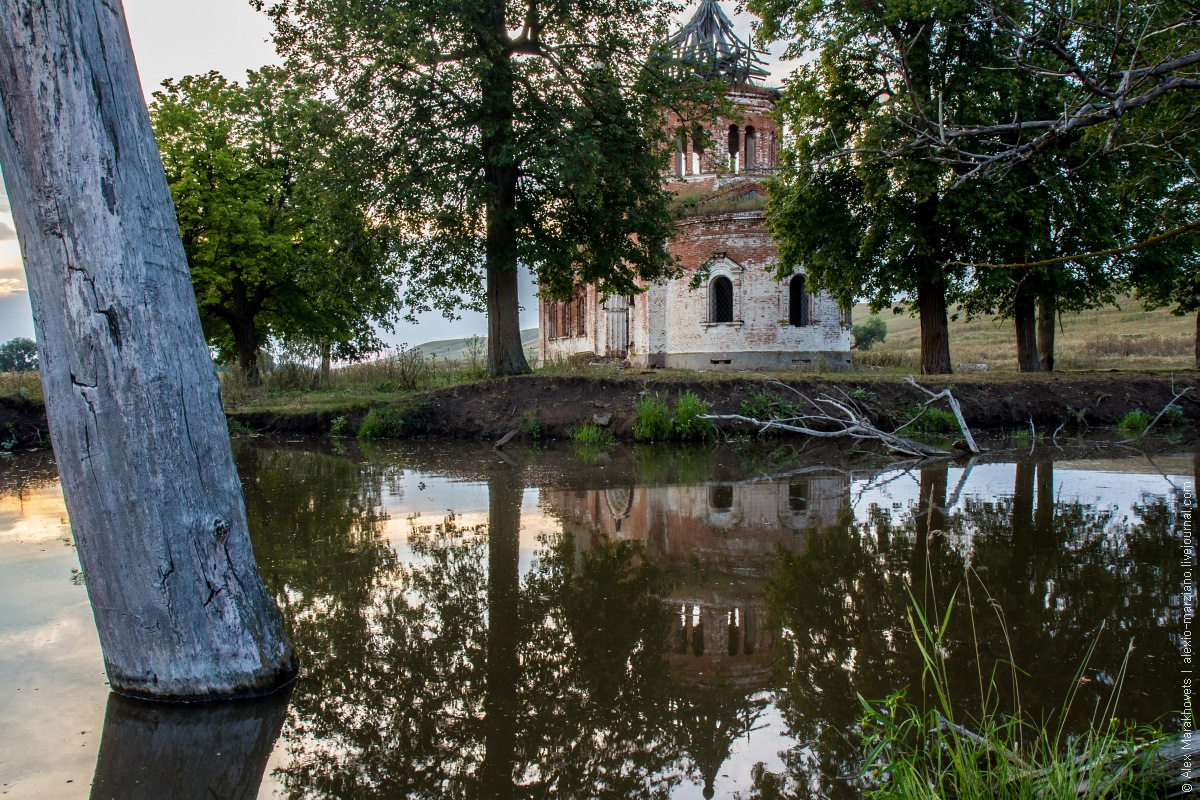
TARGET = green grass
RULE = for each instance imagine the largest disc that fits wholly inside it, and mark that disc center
(1134, 422)
(589, 433)
(918, 747)
(655, 420)
(933, 420)
(1124, 336)
(390, 422)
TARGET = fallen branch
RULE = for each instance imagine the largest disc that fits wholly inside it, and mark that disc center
(1174, 400)
(954, 407)
(832, 419)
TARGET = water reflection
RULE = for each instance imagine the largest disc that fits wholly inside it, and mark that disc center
(156, 751)
(689, 616)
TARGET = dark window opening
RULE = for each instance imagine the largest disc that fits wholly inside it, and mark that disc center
(721, 300)
(551, 320)
(720, 498)
(797, 302)
(798, 497)
(734, 142)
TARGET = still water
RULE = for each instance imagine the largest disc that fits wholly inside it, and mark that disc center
(646, 622)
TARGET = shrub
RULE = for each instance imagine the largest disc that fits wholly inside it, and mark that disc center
(384, 422)
(869, 333)
(237, 427)
(338, 426)
(652, 419)
(1134, 422)
(768, 405)
(589, 433)
(934, 420)
(688, 425)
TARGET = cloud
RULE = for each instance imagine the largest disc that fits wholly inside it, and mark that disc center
(11, 285)
(7, 234)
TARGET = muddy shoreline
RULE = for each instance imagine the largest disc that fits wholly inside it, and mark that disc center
(544, 406)
(549, 406)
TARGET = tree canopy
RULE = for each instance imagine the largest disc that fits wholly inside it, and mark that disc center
(279, 234)
(504, 132)
(18, 355)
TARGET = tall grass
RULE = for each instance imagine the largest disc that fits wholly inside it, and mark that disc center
(399, 371)
(918, 749)
(655, 420)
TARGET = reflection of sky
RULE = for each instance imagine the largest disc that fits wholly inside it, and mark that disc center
(52, 684)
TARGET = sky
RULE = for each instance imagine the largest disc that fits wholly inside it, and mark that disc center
(173, 38)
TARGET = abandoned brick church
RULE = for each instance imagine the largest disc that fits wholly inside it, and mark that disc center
(740, 317)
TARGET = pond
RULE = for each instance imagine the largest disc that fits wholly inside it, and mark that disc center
(636, 622)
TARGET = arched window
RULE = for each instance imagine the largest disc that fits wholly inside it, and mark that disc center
(581, 312)
(697, 150)
(797, 302)
(734, 146)
(681, 148)
(720, 300)
(750, 161)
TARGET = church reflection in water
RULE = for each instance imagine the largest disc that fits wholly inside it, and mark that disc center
(716, 540)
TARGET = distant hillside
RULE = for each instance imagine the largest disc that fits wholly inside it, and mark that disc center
(456, 349)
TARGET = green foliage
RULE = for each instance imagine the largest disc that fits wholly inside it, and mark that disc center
(656, 421)
(933, 420)
(864, 395)
(280, 240)
(338, 426)
(530, 423)
(390, 422)
(237, 427)
(1134, 422)
(919, 750)
(18, 355)
(505, 135)
(688, 425)
(869, 333)
(768, 405)
(589, 433)
(652, 419)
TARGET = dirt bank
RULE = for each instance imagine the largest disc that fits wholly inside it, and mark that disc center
(22, 424)
(550, 406)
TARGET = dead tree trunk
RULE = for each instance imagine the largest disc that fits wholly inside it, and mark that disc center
(131, 396)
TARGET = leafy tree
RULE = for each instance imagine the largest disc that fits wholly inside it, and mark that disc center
(505, 132)
(279, 238)
(18, 355)
(868, 333)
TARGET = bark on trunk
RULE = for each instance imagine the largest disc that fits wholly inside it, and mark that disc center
(1047, 314)
(1025, 318)
(133, 403)
(326, 360)
(152, 750)
(247, 353)
(1197, 344)
(503, 665)
(935, 329)
(506, 355)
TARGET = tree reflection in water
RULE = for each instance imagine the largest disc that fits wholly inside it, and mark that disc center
(650, 636)
(1058, 570)
(161, 751)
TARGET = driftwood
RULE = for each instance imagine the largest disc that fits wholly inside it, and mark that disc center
(1174, 400)
(842, 419)
(955, 408)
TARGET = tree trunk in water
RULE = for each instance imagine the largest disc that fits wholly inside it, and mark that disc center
(1197, 344)
(503, 665)
(1047, 314)
(133, 403)
(1044, 515)
(154, 750)
(1022, 513)
(930, 517)
(935, 329)
(1025, 317)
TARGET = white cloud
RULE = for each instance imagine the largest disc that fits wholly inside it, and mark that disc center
(11, 285)
(7, 234)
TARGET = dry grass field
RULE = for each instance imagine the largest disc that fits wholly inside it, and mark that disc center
(1124, 337)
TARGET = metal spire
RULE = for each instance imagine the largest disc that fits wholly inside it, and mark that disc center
(708, 46)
